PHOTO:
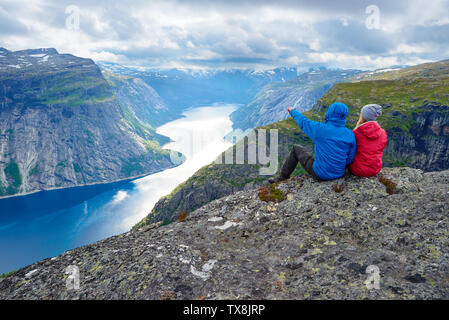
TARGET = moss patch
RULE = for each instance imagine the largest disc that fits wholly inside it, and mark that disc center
(390, 186)
(14, 178)
(132, 166)
(77, 168)
(34, 170)
(182, 217)
(271, 194)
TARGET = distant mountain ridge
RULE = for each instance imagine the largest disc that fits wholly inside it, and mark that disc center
(62, 125)
(184, 88)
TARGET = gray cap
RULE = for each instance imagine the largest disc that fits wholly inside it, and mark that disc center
(370, 112)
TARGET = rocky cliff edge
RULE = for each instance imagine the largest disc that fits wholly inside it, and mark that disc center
(310, 241)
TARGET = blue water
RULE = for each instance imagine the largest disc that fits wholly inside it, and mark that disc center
(48, 223)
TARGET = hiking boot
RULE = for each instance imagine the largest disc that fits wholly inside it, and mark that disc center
(277, 179)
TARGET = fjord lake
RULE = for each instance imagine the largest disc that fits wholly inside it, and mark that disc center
(47, 223)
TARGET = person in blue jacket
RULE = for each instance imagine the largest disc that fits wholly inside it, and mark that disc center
(335, 146)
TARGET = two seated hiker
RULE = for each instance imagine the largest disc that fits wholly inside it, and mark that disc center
(337, 147)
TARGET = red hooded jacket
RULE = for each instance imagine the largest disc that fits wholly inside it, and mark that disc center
(371, 142)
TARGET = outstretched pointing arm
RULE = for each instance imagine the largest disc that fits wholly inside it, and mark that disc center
(310, 128)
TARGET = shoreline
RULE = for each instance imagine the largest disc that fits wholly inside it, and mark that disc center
(124, 180)
(32, 207)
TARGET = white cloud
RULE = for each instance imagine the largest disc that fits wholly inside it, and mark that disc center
(348, 61)
(107, 56)
(404, 48)
(234, 32)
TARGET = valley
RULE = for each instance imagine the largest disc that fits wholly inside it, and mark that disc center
(76, 128)
(48, 223)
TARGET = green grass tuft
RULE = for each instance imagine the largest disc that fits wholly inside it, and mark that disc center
(8, 274)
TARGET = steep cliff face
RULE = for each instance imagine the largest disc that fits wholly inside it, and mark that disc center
(61, 125)
(141, 99)
(427, 145)
(415, 116)
(316, 241)
(271, 103)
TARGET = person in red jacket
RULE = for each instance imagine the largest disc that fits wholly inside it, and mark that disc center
(371, 142)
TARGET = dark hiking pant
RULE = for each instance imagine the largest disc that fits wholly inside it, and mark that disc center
(301, 155)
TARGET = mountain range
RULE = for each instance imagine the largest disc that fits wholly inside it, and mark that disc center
(66, 122)
(63, 124)
(185, 88)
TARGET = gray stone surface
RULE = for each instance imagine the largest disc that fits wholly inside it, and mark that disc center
(316, 244)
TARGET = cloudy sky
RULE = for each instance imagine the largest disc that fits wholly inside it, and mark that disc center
(233, 33)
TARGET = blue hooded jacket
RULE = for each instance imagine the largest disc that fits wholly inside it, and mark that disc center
(335, 145)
